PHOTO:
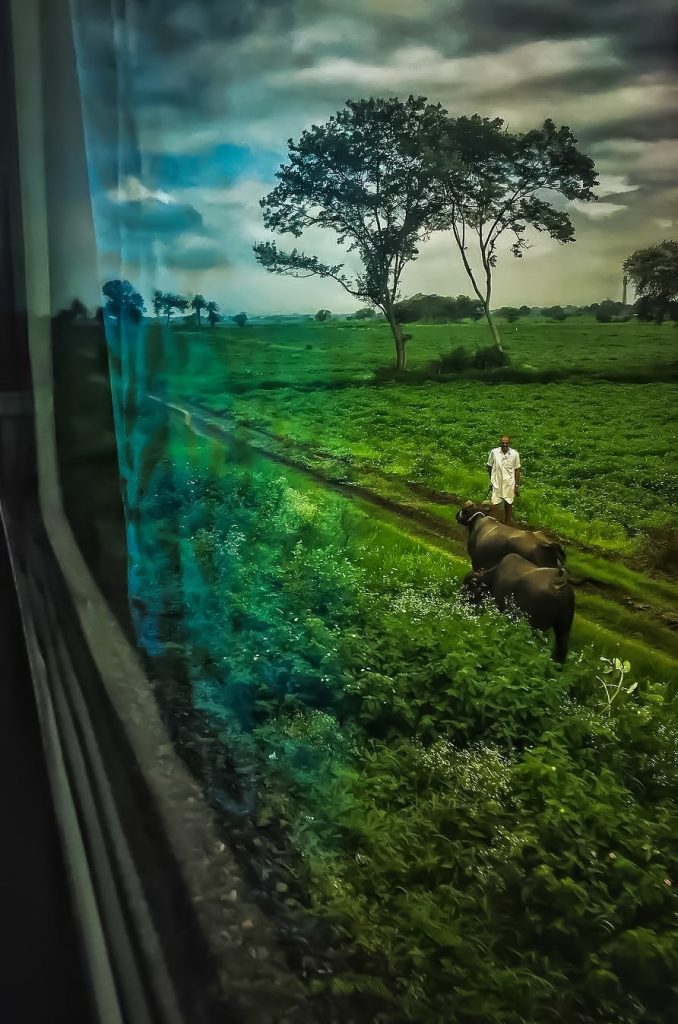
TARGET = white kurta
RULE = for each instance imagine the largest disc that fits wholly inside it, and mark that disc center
(503, 477)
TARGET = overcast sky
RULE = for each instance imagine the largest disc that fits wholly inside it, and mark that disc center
(188, 106)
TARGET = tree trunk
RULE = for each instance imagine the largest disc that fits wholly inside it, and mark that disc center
(401, 355)
(493, 328)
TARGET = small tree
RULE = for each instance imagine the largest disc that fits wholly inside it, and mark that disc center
(157, 302)
(198, 303)
(366, 313)
(654, 274)
(362, 175)
(240, 319)
(213, 315)
(123, 302)
(170, 302)
(495, 183)
(322, 315)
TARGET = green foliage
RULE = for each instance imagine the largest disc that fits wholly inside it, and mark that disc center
(370, 148)
(240, 319)
(437, 309)
(494, 837)
(554, 313)
(322, 315)
(491, 358)
(455, 361)
(213, 315)
(654, 273)
(122, 301)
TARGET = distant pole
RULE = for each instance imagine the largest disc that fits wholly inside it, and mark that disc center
(625, 282)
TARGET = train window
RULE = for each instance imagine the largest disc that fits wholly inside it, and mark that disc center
(353, 339)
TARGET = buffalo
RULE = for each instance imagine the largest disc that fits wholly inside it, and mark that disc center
(545, 596)
(489, 541)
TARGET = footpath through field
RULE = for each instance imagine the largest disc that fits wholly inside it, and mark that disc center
(619, 609)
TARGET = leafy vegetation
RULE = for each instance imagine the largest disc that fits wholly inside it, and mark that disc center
(493, 837)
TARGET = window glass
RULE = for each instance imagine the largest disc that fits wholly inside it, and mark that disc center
(363, 324)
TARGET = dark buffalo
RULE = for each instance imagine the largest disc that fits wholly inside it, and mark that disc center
(489, 541)
(545, 596)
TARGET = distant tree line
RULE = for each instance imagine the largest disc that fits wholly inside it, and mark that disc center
(438, 308)
(124, 303)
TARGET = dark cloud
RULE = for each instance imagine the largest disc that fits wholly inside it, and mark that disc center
(661, 124)
(644, 33)
(150, 217)
(195, 257)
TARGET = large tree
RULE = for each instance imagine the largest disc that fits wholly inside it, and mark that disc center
(654, 274)
(363, 176)
(123, 301)
(498, 182)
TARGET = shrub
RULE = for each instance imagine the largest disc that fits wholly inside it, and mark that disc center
(455, 361)
(437, 308)
(660, 549)
(603, 317)
(554, 313)
(490, 358)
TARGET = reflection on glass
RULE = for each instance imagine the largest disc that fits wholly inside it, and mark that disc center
(267, 431)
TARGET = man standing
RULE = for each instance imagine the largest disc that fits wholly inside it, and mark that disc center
(503, 466)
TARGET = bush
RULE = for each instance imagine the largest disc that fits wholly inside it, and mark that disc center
(459, 359)
(511, 313)
(603, 317)
(437, 308)
(554, 313)
(660, 549)
(490, 358)
(455, 361)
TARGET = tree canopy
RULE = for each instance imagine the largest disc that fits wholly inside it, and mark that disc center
(437, 308)
(123, 302)
(213, 314)
(362, 175)
(198, 303)
(654, 274)
(496, 182)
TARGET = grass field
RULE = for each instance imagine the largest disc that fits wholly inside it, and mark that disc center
(486, 837)
(595, 444)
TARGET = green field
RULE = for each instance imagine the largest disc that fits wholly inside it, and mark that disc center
(594, 450)
(487, 836)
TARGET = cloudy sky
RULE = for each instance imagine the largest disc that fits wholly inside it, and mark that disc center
(188, 105)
